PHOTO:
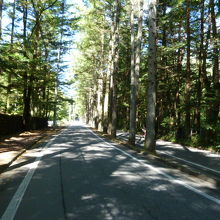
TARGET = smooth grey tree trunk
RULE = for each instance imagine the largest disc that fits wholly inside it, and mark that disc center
(135, 65)
(108, 97)
(150, 140)
(115, 69)
(115, 61)
(59, 57)
(132, 120)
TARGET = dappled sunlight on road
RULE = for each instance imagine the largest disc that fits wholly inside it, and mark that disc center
(89, 196)
(126, 175)
(120, 175)
(200, 162)
(92, 178)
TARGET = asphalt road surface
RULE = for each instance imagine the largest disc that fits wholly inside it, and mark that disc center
(203, 161)
(79, 175)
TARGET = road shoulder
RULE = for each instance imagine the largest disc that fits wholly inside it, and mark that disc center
(14, 146)
(185, 168)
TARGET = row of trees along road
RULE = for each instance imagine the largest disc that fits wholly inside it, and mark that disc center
(155, 69)
(31, 51)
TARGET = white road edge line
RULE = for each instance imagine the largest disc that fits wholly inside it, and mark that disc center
(12, 208)
(180, 182)
(186, 161)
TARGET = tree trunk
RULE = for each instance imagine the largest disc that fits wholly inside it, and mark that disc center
(216, 73)
(215, 58)
(205, 80)
(107, 100)
(115, 69)
(58, 67)
(44, 88)
(150, 141)
(100, 85)
(103, 89)
(180, 55)
(135, 67)
(199, 85)
(1, 9)
(114, 97)
(132, 121)
(27, 88)
(188, 72)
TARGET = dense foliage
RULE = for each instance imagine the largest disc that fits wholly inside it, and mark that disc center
(31, 53)
(188, 86)
(124, 54)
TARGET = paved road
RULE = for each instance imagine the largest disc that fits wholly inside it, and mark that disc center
(204, 161)
(81, 176)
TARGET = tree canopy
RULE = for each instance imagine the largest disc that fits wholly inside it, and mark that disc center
(31, 58)
(148, 66)
(187, 71)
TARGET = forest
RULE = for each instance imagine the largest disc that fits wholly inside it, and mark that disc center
(141, 65)
(33, 41)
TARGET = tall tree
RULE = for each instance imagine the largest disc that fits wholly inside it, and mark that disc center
(132, 121)
(135, 64)
(188, 70)
(26, 91)
(59, 55)
(200, 75)
(114, 68)
(1, 9)
(187, 85)
(150, 140)
(215, 60)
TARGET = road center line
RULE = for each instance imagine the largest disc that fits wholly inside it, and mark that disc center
(12, 208)
(180, 182)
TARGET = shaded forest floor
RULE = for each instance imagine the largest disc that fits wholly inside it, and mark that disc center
(25, 140)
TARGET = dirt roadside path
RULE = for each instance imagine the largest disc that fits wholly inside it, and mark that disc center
(14, 145)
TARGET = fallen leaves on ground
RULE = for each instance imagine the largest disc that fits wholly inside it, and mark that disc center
(25, 139)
